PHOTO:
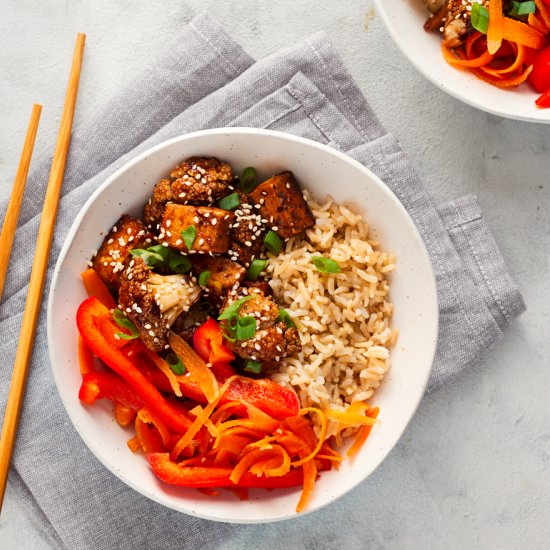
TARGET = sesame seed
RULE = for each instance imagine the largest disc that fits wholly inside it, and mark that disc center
(110, 241)
(178, 242)
(168, 223)
(151, 333)
(196, 219)
(214, 221)
(129, 231)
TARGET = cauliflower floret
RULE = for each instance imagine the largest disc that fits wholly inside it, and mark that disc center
(153, 302)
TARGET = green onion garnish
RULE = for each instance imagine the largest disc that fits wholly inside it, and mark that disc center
(204, 278)
(256, 267)
(325, 265)
(123, 322)
(520, 9)
(249, 179)
(179, 264)
(285, 318)
(246, 328)
(252, 366)
(162, 251)
(150, 258)
(189, 235)
(159, 255)
(175, 363)
(230, 202)
(479, 16)
(232, 310)
(273, 242)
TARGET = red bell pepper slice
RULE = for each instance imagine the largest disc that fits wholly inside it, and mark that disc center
(92, 309)
(544, 99)
(85, 357)
(268, 396)
(106, 385)
(218, 477)
(208, 344)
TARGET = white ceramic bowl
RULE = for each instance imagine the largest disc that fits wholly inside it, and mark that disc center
(404, 20)
(323, 171)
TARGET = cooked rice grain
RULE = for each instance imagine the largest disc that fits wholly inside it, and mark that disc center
(344, 318)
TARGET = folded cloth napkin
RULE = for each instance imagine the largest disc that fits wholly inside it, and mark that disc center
(205, 81)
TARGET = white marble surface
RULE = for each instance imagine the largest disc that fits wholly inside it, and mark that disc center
(473, 468)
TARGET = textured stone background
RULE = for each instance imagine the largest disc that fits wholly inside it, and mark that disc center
(473, 468)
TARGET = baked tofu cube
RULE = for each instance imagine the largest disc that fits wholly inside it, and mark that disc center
(282, 205)
(114, 254)
(212, 228)
(224, 273)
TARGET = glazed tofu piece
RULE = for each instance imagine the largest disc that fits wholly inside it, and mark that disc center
(114, 253)
(224, 274)
(211, 226)
(282, 204)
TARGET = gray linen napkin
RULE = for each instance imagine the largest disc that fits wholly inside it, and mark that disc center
(208, 81)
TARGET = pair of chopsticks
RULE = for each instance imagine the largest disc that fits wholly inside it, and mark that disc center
(42, 252)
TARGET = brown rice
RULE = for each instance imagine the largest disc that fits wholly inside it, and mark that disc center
(343, 318)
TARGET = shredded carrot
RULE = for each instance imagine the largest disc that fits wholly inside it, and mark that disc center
(322, 434)
(199, 421)
(197, 368)
(534, 21)
(163, 366)
(96, 287)
(133, 444)
(362, 434)
(451, 58)
(501, 82)
(310, 473)
(349, 418)
(495, 32)
(124, 415)
(148, 417)
(521, 33)
(544, 13)
(148, 437)
(247, 461)
(516, 65)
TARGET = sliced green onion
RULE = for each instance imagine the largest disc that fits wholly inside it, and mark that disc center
(162, 251)
(273, 242)
(150, 258)
(189, 235)
(252, 366)
(285, 318)
(479, 16)
(179, 263)
(249, 179)
(520, 9)
(175, 363)
(325, 265)
(246, 328)
(230, 202)
(232, 310)
(123, 322)
(255, 269)
(204, 278)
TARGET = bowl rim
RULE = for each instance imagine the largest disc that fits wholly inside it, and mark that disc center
(432, 308)
(400, 40)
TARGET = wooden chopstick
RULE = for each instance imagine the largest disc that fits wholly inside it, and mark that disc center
(14, 206)
(39, 266)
